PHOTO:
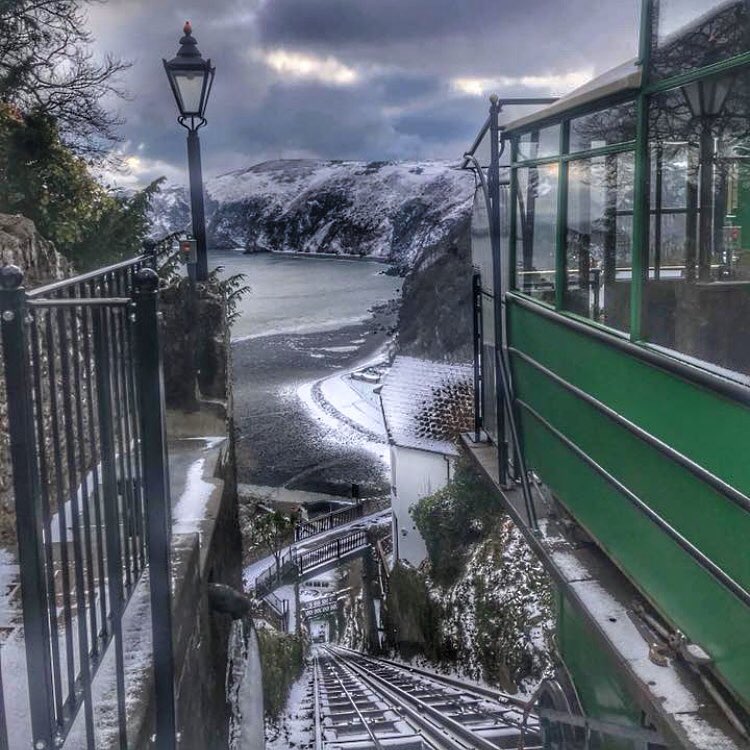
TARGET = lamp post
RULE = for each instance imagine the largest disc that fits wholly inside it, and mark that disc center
(706, 99)
(191, 78)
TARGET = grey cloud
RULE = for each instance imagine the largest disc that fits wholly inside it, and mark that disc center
(407, 51)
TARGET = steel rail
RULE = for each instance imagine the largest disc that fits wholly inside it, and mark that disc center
(478, 690)
(316, 699)
(644, 352)
(57, 286)
(419, 709)
(440, 739)
(365, 724)
(81, 302)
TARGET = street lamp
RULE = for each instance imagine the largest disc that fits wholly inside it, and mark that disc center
(191, 78)
(706, 99)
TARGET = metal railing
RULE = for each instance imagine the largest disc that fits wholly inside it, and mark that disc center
(82, 374)
(277, 609)
(333, 550)
(293, 565)
(306, 529)
(279, 572)
(321, 606)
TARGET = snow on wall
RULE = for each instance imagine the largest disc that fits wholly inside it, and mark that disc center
(414, 474)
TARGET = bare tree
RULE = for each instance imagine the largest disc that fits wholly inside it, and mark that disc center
(272, 530)
(47, 66)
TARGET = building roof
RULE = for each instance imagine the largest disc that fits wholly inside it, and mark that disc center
(426, 405)
(624, 77)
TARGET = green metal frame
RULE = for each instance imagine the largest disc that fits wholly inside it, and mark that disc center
(639, 445)
(639, 147)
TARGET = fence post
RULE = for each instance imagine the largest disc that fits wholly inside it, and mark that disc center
(158, 512)
(28, 512)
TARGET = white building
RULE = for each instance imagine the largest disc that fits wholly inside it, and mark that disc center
(426, 405)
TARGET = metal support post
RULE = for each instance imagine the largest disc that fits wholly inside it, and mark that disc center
(28, 515)
(476, 296)
(199, 271)
(493, 186)
(102, 331)
(158, 512)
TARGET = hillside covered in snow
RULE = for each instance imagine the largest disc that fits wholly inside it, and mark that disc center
(387, 210)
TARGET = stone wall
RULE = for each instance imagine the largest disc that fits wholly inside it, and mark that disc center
(200, 634)
(196, 343)
(23, 246)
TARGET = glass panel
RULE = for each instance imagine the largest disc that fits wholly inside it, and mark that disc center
(489, 402)
(481, 247)
(698, 288)
(690, 34)
(604, 128)
(536, 230)
(539, 144)
(599, 241)
(190, 86)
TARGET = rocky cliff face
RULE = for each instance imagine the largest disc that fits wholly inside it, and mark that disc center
(21, 245)
(412, 214)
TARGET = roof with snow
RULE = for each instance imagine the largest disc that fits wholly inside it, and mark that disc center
(427, 405)
(624, 77)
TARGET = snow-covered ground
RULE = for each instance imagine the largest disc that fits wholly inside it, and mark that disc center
(295, 728)
(349, 408)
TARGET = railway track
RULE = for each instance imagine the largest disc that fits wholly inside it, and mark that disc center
(369, 704)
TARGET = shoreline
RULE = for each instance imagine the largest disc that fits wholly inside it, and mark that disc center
(302, 254)
(289, 440)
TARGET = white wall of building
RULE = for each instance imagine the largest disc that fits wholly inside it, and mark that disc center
(414, 475)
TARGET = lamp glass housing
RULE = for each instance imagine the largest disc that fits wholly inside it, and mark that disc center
(706, 98)
(190, 85)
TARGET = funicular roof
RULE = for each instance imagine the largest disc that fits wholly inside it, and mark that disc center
(624, 77)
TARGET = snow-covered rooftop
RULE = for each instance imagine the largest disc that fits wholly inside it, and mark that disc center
(426, 405)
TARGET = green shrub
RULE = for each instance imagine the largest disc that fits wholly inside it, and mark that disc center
(282, 659)
(454, 518)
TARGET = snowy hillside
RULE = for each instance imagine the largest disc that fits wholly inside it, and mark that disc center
(382, 209)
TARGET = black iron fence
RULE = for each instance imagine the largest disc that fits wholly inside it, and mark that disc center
(86, 422)
(277, 610)
(293, 565)
(279, 572)
(319, 607)
(306, 529)
(333, 550)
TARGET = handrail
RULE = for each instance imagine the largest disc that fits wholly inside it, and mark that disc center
(672, 364)
(144, 258)
(306, 529)
(716, 483)
(685, 544)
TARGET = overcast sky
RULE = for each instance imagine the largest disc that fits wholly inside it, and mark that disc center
(349, 79)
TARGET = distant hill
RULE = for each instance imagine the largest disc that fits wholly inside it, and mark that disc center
(388, 210)
(412, 214)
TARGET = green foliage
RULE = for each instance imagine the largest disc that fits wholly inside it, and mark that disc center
(412, 616)
(232, 288)
(282, 658)
(454, 518)
(43, 180)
